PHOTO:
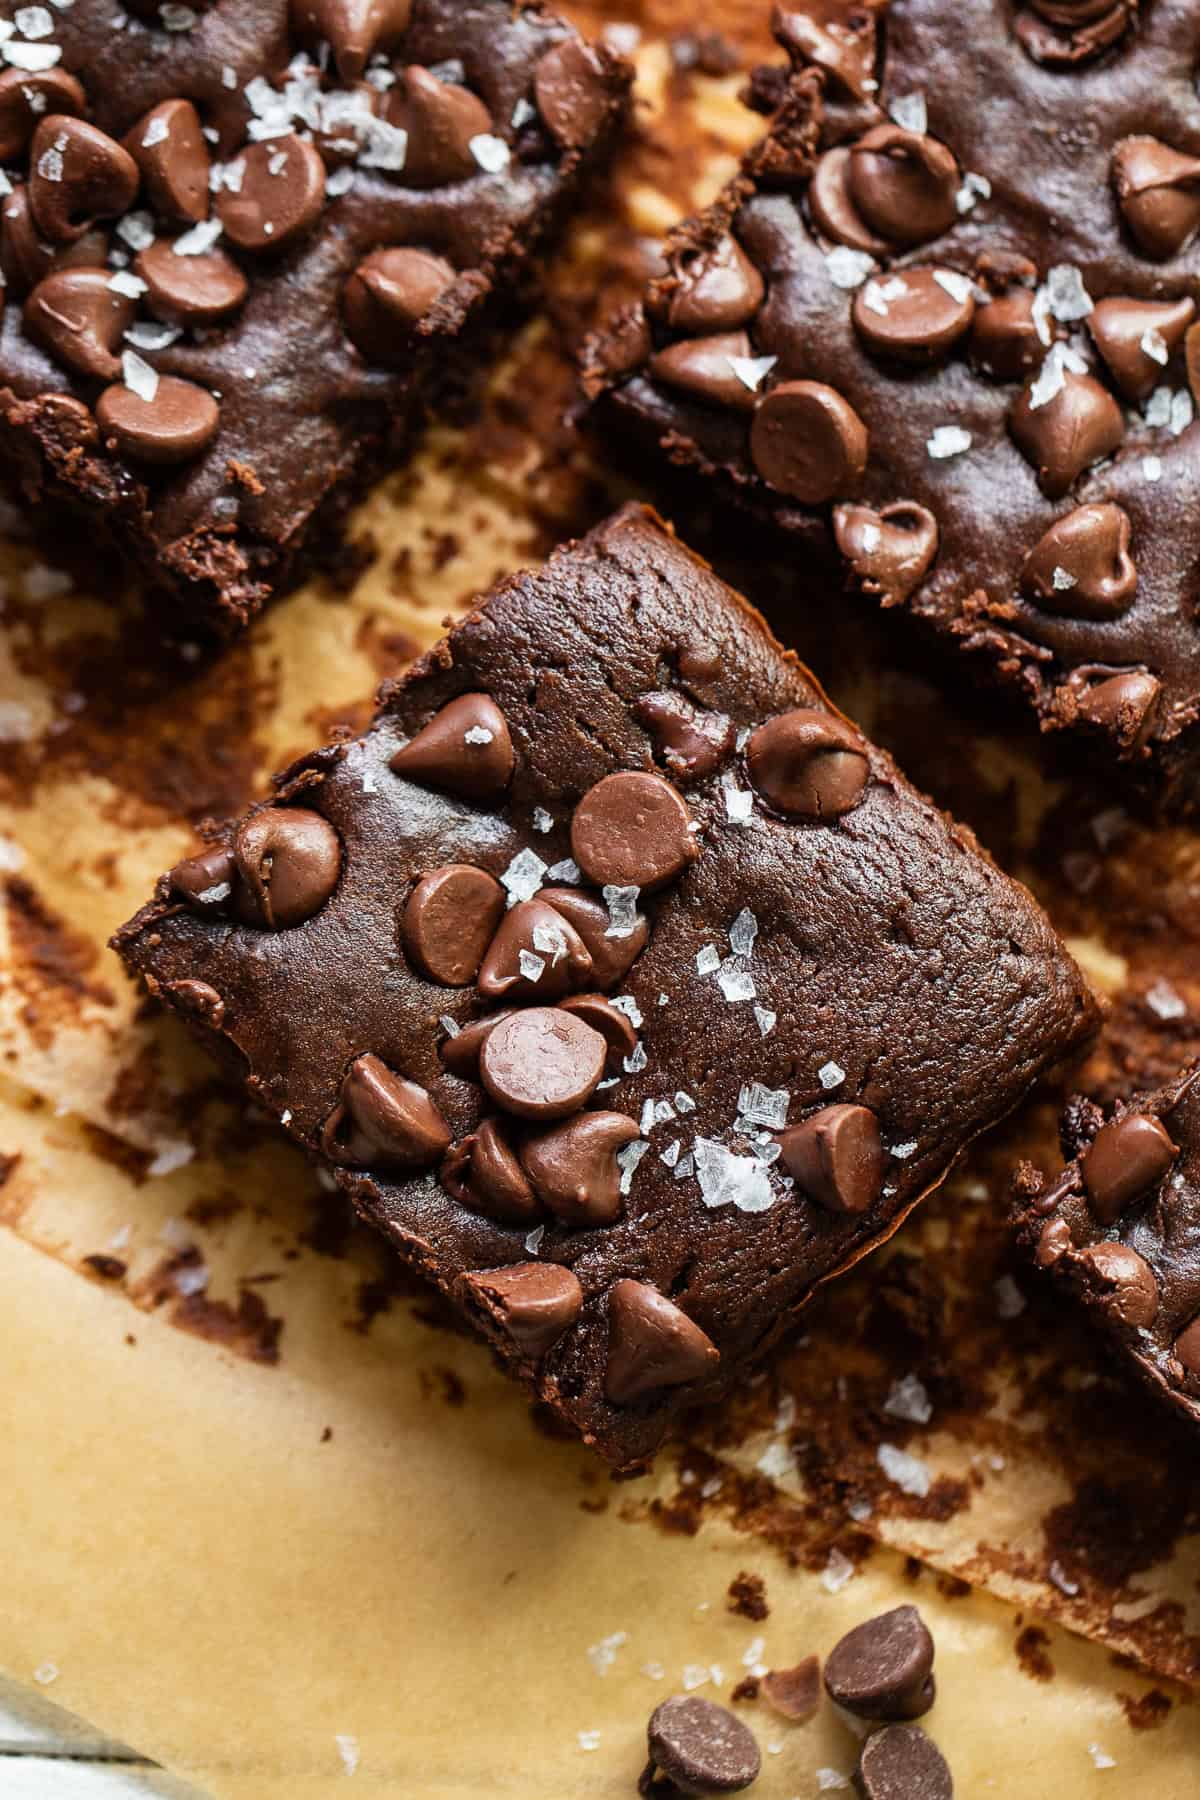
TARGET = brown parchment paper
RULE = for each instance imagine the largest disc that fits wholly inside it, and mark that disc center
(267, 1513)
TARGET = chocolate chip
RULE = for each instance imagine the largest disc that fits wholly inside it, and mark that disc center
(460, 1051)
(692, 742)
(190, 290)
(1077, 426)
(383, 1121)
(536, 954)
(26, 97)
(1158, 190)
(903, 184)
(176, 424)
(542, 1064)
(388, 293)
(354, 29)
(1186, 1349)
(169, 148)
(1126, 1158)
(901, 1763)
(632, 830)
(614, 1026)
(1053, 1244)
(288, 862)
(531, 1304)
(840, 40)
(464, 750)
(807, 441)
(794, 1693)
(1081, 567)
(1065, 44)
(77, 174)
(570, 85)
(1136, 337)
(612, 957)
(1005, 338)
(24, 258)
(883, 1669)
(1128, 1288)
(440, 118)
(1191, 357)
(836, 1158)
(808, 764)
(833, 208)
(717, 289)
(699, 1748)
(80, 319)
(344, 130)
(652, 1344)
(280, 195)
(206, 881)
(1125, 705)
(915, 315)
(704, 367)
(449, 921)
(574, 1169)
(484, 1173)
(200, 999)
(890, 551)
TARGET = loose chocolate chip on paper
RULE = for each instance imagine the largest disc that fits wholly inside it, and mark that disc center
(465, 750)
(441, 118)
(543, 1063)
(354, 29)
(808, 442)
(571, 89)
(574, 1169)
(614, 1026)
(632, 829)
(536, 954)
(808, 764)
(27, 96)
(484, 1173)
(80, 319)
(904, 184)
(1158, 190)
(705, 367)
(288, 861)
(699, 1748)
(449, 920)
(836, 1158)
(168, 146)
(189, 290)
(890, 551)
(1077, 426)
(1081, 566)
(1137, 337)
(531, 1303)
(178, 422)
(916, 315)
(692, 741)
(1126, 1282)
(652, 1345)
(794, 1693)
(387, 294)
(78, 174)
(718, 288)
(384, 1121)
(280, 195)
(901, 1763)
(883, 1669)
(1126, 1159)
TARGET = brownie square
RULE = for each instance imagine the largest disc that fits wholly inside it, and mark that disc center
(630, 990)
(1118, 1232)
(942, 331)
(248, 248)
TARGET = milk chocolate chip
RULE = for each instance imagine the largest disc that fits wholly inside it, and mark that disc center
(613, 950)
(574, 1169)
(1126, 1282)
(531, 1304)
(1158, 190)
(189, 290)
(806, 441)
(705, 367)
(652, 1345)
(77, 174)
(1081, 567)
(890, 551)
(1125, 1159)
(883, 1669)
(692, 741)
(571, 89)
(614, 1026)
(808, 764)
(383, 1121)
(915, 315)
(483, 1172)
(464, 750)
(1137, 337)
(697, 1747)
(836, 1158)
(288, 860)
(449, 921)
(388, 293)
(632, 829)
(354, 29)
(27, 96)
(901, 1763)
(441, 118)
(176, 423)
(542, 1064)
(81, 320)
(903, 184)
(1078, 425)
(280, 195)
(169, 148)
(536, 954)
(718, 288)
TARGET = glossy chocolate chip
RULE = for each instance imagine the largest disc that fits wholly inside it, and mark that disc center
(531, 1304)
(1064, 47)
(205, 882)
(652, 1345)
(697, 1747)
(1065, 435)
(612, 955)
(200, 999)
(1125, 1282)
(794, 1693)
(1186, 1349)
(1191, 356)
(280, 195)
(1070, 13)
(890, 551)
(903, 184)
(718, 288)
(354, 29)
(840, 40)
(483, 1172)
(1005, 337)
(1126, 1159)
(705, 368)
(1137, 337)
(77, 174)
(81, 320)
(692, 741)
(836, 1158)
(383, 1121)
(26, 97)
(571, 88)
(632, 829)
(464, 750)
(536, 954)
(1125, 705)
(833, 208)
(441, 118)
(169, 148)
(614, 1026)
(1081, 567)
(1158, 191)
(808, 442)
(449, 920)
(288, 862)
(901, 1763)
(808, 764)
(388, 293)
(460, 1051)
(542, 1064)
(25, 259)
(883, 1669)
(1053, 1243)
(179, 422)
(574, 1168)
(914, 315)
(189, 290)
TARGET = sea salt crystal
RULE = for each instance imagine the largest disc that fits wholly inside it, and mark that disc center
(1068, 299)
(829, 1779)
(1154, 345)
(533, 1239)
(340, 182)
(384, 146)
(542, 820)
(707, 959)
(490, 152)
(1164, 1002)
(1101, 1758)
(946, 441)
(478, 734)
(670, 1156)
(523, 876)
(1061, 1580)
(1010, 1301)
(974, 188)
(837, 1573)
(685, 1168)
(622, 910)
(957, 286)
(147, 334)
(752, 1655)
(1182, 412)
(348, 1751)
(192, 1279)
(1061, 579)
(50, 162)
(588, 1740)
(637, 1061)
(763, 1105)
(551, 941)
(139, 377)
(751, 370)
(565, 873)
(910, 113)
(831, 1075)
(743, 932)
(695, 1675)
(12, 857)
(777, 1462)
(727, 1179)
(1052, 377)
(229, 76)
(739, 805)
(684, 1102)
(902, 1152)
(908, 1473)
(1158, 408)
(522, 114)
(532, 967)
(765, 1020)
(199, 240)
(849, 268)
(169, 1158)
(33, 58)
(909, 1400)
(628, 1160)
(735, 982)
(603, 1655)
(628, 1005)
(123, 282)
(157, 132)
(1152, 468)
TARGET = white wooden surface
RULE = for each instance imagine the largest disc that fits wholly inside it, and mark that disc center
(47, 1754)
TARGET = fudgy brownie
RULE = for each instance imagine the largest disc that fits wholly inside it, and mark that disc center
(1119, 1229)
(630, 990)
(942, 329)
(246, 246)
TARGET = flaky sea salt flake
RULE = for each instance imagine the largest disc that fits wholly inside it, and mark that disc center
(523, 876)
(908, 1473)
(763, 1105)
(708, 959)
(490, 152)
(735, 982)
(1069, 299)
(628, 1160)
(622, 910)
(139, 377)
(752, 371)
(838, 1572)
(765, 1019)
(908, 1399)
(848, 268)
(946, 441)
(831, 1075)
(743, 932)
(910, 113)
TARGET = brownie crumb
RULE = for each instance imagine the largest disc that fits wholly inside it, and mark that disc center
(748, 1596)
(746, 1689)
(109, 1268)
(1031, 1648)
(1148, 1712)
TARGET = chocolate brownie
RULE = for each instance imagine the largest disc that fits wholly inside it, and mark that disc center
(246, 247)
(631, 992)
(1119, 1230)
(942, 329)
